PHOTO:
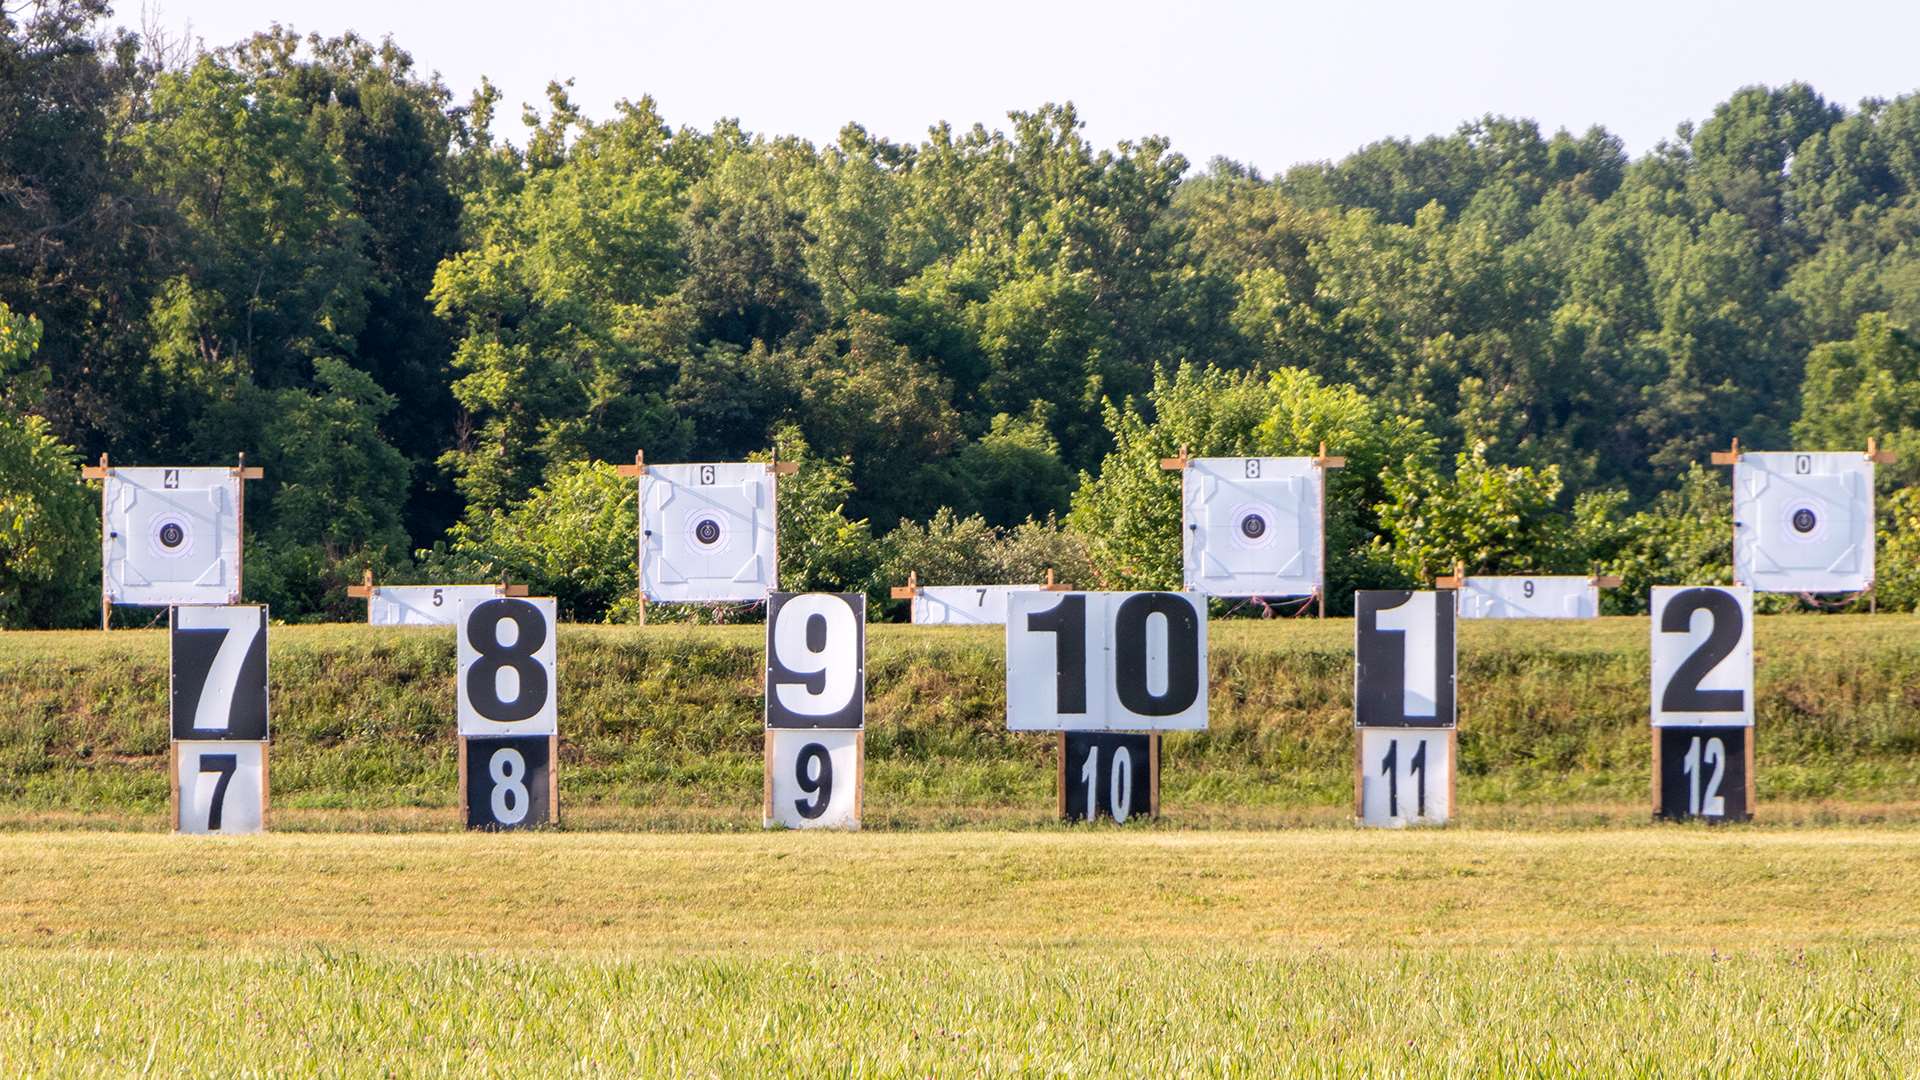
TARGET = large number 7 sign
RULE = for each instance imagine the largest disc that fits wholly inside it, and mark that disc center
(1106, 661)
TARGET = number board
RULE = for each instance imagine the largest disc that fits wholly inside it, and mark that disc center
(1702, 656)
(1109, 774)
(1404, 658)
(707, 533)
(1703, 772)
(814, 778)
(509, 782)
(219, 787)
(218, 670)
(816, 660)
(1404, 776)
(172, 536)
(423, 605)
(506, 678)
(968, 605)
(1538, 597)
(1252, 526)
(1096, 661)
(1803, 522)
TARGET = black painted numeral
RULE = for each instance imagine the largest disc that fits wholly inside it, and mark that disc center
(813, 771)
(1067, 620)
(1683, 693)
(226, 765)
(483, 632)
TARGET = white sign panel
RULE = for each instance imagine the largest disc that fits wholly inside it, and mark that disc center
(507, 664)
(1538, 597)
(813, 779)
(172, 536)
(1096, 661)
(964, 605)
(1702, 656)
(423, 605)
(816, 660)
(1406, 776)
(1252, 526)
(707, 533)
(222, 786)
(1803, 522)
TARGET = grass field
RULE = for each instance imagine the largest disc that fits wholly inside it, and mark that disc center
(1646, 951)
(661, 727)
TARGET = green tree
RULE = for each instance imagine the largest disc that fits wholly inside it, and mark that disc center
(1487, 518)
(1865, 388)
(49, 526)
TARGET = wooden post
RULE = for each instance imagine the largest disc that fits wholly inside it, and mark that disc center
(553, 779)
(860, 777)
(908, 591)
(637, 470)
(766, 779)
(1324, 462)
(266, 785)
(100, 472)
(173, 783)
(240, 526)
(1054, 586)
(1153, 775)
(1657, 763)
(461, 772)
(1731, 457)
(1060, 777)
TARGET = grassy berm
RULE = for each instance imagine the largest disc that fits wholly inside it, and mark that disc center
(661, 727)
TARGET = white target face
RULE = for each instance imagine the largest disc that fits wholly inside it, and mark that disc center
(707, 533)
(1803, 522)
(172, 536)
(221, 785)
(964, 605)
(423, 605)
(813, 779)
(1537, 597)
(1252, 526)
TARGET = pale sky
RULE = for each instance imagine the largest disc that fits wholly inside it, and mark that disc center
(1267, 84)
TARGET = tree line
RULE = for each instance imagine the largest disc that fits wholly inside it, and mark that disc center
(432, 335)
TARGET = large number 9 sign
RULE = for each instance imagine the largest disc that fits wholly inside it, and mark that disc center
(507, 658)
(816, 660)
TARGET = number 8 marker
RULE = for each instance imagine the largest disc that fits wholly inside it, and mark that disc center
(507, 660)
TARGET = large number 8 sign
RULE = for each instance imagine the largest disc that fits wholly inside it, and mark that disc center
(1106, 661)
(507, 659)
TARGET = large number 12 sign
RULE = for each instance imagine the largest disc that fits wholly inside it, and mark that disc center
(1090, 661)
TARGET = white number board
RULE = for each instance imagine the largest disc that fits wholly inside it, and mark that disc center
(964, 605)
(1537, 597)
(1404, 658)
(1252, 526)
(1702, 656)
(1406, 776)
(814, 778)
(423, 605)
(172, 536)
(1098, 661)
(507, 667)
(217, 664)
(707, 532)
(1803, 522)
(221, 785)
(816, 660)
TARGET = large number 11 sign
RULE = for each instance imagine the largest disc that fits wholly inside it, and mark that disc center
(1403, 706)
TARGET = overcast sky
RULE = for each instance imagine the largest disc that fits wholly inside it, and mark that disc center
(1268, 84)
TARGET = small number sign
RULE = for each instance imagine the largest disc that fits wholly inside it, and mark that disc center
(507, 665)
(508, 782)
(1089, 661)
(816, 660)
(424, 605)
(813, 778)
(1404, 658)
(1704, 772)
(1702, 656)
(219, 672)
(1113, 775)
(220, 787)
(1405, 776)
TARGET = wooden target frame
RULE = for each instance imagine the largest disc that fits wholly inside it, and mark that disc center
(639, 469)
(1321, 461)
(240, 471)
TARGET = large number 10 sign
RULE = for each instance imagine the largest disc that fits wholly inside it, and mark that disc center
(1089, 661)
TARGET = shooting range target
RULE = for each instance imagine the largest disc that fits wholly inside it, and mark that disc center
(1529, 597)
(220, 786)
(1803, 522)
(171, 536)
(1252, 526)
(814, 778)
(707, 533)
(507, 678)
(964, 605)
(424, 605)
(1100, 661)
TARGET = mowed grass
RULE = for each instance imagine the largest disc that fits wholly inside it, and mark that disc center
(1650, 951)
(661, 727)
